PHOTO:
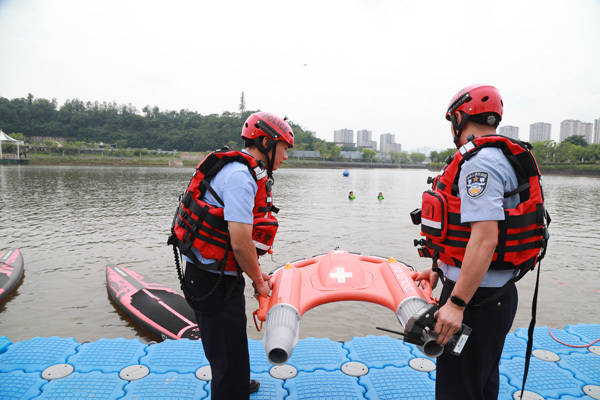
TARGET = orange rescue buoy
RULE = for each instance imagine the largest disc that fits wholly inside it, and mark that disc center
(335, 276)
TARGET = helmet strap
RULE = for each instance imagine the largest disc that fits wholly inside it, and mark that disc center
(272, 145)
(271, 161)
(457, 128)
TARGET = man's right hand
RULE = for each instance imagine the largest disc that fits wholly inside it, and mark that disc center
(262, 288)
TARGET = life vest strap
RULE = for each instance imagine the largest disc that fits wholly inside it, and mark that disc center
(186, 221)
(521, 221)
(525, 246)
(224, 245)
(520, 189)
(453, 243)
(213, 232)
(454, 219)
(525, 235)
(457, 233)
(207, 186)
(203, 214)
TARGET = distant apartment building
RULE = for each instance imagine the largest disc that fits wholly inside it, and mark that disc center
(509, 131)
(586, 130)
(363, 140)
(343, 136)
(569, 127)
(539, 132)
(597, 131)
(572, 127)
(387, 144)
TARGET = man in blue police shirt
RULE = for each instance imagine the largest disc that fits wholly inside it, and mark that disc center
(482, 183)
(221, 317)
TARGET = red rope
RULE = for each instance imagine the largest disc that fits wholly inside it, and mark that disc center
(572, 345)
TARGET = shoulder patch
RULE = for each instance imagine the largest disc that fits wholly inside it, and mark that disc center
(476, 183)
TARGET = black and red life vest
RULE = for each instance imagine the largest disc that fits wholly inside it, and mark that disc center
(201, 226)
(522, 236)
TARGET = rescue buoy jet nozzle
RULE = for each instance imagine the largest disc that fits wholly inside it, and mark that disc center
(335, 276)
(419, 330)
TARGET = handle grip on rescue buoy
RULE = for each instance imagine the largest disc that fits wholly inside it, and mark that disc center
(425, 286)
(419, 331)
(261, 311)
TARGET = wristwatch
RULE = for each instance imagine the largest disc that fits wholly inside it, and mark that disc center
(458, 301)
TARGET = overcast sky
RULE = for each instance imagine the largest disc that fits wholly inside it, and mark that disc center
(386, 66)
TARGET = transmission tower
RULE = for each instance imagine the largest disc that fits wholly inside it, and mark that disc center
(242, 104)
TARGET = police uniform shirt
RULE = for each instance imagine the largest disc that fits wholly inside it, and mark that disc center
(482, 182)
(237, 188)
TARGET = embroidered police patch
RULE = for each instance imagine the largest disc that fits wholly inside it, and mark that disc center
(476, 183)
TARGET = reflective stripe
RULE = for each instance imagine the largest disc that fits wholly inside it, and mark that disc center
(269, 199)
(431, 224)
(261, 246)
(467, 147)
(260, 173)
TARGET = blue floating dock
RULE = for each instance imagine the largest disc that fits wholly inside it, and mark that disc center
(316, 370)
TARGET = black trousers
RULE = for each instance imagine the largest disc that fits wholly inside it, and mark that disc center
(222, 323)
(474, 375)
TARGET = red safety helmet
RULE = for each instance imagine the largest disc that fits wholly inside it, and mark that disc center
(481, 104)
(265, 124)
(475, 100)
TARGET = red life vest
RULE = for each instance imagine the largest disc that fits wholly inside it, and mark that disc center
(522, 236)
(201, 226)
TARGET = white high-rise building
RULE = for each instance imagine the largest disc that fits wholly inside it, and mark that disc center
(586, 130)
(597, 131)
(343, 136)
(539, 132)
(363, 139)
(387, 144)
(572, 127)
(509, 131)
(569, 127)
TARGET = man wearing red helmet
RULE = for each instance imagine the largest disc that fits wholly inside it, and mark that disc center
(223, 223)
(487, 238)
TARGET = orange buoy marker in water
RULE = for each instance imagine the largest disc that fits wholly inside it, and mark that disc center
(339, 276)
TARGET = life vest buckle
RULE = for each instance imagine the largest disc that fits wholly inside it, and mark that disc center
(545, 233)
(415, 216)
(418, 242)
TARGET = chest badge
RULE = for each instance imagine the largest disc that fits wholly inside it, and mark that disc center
(476, 183)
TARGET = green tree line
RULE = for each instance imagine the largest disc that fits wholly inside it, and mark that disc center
(82, 122)
(572, 150)
(125, 126)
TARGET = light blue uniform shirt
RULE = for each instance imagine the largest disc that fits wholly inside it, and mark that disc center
(237, 188)
(482, 182)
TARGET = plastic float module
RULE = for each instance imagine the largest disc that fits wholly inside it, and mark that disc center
(341, 276)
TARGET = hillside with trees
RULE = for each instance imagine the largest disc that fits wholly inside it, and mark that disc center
(125, 126)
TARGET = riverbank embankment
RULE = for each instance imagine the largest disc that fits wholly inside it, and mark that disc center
(192, 159)
(552, 169)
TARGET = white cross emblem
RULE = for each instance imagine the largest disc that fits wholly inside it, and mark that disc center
(340, 275)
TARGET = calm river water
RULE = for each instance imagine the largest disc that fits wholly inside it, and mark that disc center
(71, 221)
